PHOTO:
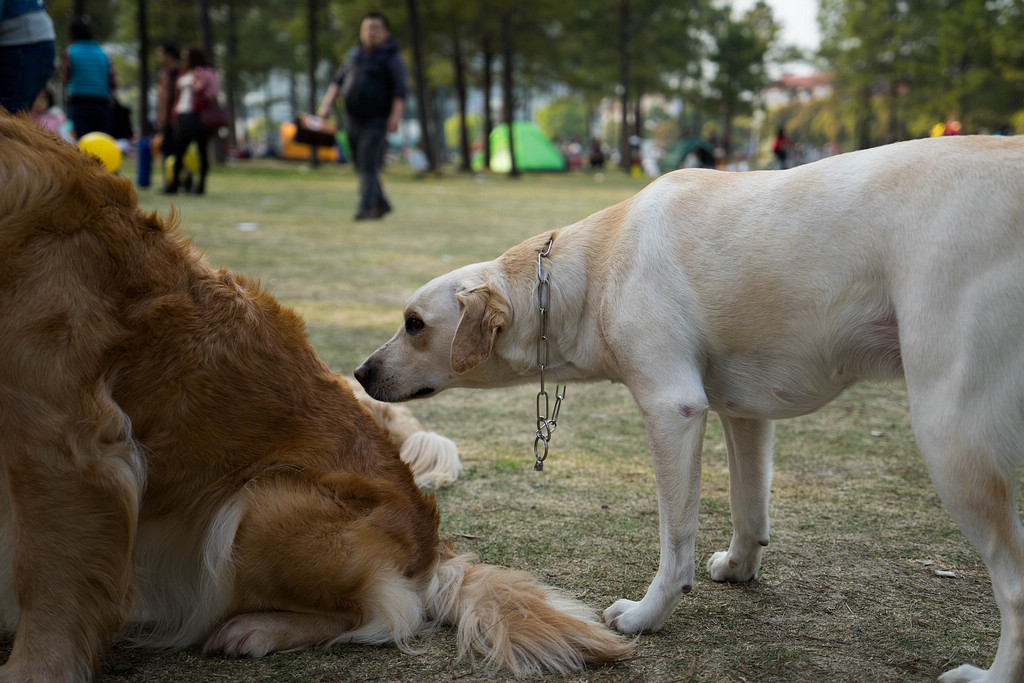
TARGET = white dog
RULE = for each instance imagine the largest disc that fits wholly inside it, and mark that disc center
(763, 296)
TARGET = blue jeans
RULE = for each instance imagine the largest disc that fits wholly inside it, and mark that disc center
(367, 139)
(24, 70)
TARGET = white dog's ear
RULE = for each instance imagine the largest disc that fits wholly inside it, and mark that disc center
(484, 314)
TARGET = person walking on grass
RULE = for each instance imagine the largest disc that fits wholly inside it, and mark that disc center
(89, 78)
(197, 88)
(372, 83)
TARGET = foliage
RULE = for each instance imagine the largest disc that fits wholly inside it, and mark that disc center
(563, 119)
(901, 67)
(898, 66)
(555, 44)
(474, 126)
(739, 58)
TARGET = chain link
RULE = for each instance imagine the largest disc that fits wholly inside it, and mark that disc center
(547, 419)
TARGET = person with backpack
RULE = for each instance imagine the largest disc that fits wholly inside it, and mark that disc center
(196, 89)
(372, 83)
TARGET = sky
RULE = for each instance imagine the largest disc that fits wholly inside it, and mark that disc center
(799, 20)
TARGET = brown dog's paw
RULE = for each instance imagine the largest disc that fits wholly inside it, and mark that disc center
(246, 635)
(256, 634)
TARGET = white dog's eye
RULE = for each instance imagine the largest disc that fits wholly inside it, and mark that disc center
(413, 325)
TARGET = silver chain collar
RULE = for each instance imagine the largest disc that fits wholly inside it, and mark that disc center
(545, 425)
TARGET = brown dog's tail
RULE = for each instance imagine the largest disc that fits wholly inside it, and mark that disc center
(516, 623)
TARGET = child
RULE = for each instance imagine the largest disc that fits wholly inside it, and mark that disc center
(46, 115)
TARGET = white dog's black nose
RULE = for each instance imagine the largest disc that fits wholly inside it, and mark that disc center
(363, 373)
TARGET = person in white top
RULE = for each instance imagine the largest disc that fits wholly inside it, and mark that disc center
(197, 88)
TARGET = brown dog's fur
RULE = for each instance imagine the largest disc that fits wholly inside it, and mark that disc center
(178, 461)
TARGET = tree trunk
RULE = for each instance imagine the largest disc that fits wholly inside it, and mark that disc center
(293, 90)
(862, 130)
(488, 114)
(730, 114)
(144, 128)
(205, 29)
(460, 94)
(213, 146)
(507, 96)
(231, 72)
(314, 158)
(893, 133)
(624, 84)
(423, 108)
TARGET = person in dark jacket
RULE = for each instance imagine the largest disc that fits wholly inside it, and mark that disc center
(372, 83)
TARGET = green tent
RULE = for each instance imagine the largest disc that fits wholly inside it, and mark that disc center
(534, 152)
(676, 155)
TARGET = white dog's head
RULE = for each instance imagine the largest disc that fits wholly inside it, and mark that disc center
(449, 331)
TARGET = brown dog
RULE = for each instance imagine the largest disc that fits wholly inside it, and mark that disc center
(178, 458)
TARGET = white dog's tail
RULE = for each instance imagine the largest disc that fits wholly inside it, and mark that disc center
(433, 459)
(515, 623)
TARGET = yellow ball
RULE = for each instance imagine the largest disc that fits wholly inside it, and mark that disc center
(191, 160)
(103, 147)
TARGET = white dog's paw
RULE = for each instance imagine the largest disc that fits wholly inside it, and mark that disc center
(627, 616)
(964, 674)
(724, 567)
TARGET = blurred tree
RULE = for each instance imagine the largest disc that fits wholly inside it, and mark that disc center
(899, 65)
(142, 32)
(564, 118)
(651, 47)
(903, 65)
(424, 110)
(739, 60)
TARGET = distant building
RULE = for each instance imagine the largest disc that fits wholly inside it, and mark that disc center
(797, 89)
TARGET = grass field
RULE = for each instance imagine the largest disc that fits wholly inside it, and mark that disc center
(848, 590)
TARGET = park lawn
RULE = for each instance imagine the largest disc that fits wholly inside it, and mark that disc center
(848, 590)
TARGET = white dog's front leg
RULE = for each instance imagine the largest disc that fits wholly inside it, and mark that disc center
(750, 481)
(676, 432)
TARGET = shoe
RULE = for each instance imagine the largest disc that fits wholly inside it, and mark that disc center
(367, 215)
(171, 189)
(384, 208)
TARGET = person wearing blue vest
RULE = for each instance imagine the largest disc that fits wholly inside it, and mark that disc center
(27, 51)
(372, 83)
(89, 80)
